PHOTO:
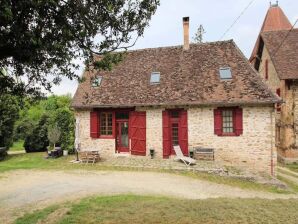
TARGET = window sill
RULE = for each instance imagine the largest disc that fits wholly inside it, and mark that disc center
(228, 135)
(106, 137)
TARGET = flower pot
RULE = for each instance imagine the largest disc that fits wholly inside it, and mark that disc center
(152, 153)
(65, 152)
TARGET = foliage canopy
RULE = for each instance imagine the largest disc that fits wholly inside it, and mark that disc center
(41, 40)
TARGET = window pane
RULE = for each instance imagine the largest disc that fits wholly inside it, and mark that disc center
(225, 73)
(106, 123)
(175, 138)
(155, 77)
(227, 121)
(122, 115)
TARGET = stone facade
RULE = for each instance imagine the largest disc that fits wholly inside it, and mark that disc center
(287, 118)
(106, 146)
(253, 150)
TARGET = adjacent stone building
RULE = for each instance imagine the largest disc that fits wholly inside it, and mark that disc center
(275, 57)
(196, 95)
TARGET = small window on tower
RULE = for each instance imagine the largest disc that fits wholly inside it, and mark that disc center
(96, 81)
(225, 73)
(155, 78)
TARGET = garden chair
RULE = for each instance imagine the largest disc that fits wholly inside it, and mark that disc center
(187, 160)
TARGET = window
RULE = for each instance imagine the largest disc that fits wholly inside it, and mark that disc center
(122, 115)
(96, 81)
(155, 78)
(174, 114)
(106, 123)
(227, 121)
(266, 69)
(175, 130)
(225, 73)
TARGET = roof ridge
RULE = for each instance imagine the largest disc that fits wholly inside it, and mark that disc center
(179, 46)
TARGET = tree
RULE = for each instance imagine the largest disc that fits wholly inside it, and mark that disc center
(198, 38)
(37, 140)
(54, 134)
(9, 112)
(42, 39)
(64, 118)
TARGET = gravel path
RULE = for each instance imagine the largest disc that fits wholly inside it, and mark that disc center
(22, 191)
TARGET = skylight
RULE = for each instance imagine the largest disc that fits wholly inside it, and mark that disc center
(96, 81)
(225, 73)
(155, 78)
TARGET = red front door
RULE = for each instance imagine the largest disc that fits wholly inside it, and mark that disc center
(174, 131)
(122, 141)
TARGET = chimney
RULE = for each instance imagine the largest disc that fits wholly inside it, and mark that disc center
(186, 33)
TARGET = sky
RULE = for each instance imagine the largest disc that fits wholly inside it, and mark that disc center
(216, 16)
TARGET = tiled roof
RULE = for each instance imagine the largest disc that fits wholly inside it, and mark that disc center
(285, 56)
(186, 78)
(275, 20)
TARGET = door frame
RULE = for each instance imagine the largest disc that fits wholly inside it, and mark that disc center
(170, 120)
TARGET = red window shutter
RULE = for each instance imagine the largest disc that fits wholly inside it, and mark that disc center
(94, 124)
(137, 132)
(183, 132)
(266, 69)
(218, 122)
(166, 138)
(278, 107)
(238, 117)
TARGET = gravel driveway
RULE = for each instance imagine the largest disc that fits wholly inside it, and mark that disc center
(25, 190)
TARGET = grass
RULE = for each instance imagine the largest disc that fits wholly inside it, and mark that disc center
(37, 161)
(147, 209)
(17, 146)
(293, 167)
(290, 183)
(35, 217)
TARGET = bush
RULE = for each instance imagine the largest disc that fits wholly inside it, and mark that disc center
(9, 112)
(23, 128)
(37, 141)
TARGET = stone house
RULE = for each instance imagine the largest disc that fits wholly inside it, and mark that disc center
(195, 95)
(275, 57)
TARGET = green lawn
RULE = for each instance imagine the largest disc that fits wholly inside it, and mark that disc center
(146, 209)
(37, 161)
(17, 146)
(293, 167)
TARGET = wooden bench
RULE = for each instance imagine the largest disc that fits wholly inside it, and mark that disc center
(203, 153)
(90, 156)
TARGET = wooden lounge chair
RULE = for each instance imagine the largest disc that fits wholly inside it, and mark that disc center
(187, 160)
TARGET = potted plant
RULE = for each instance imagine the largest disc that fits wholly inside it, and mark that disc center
(54, 134)
(191, 153)
(152, 153)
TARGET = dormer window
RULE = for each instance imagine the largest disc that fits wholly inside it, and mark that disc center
(225, 73)
(155, 78)
(96, 81)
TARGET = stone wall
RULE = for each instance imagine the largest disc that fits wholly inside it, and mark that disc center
(107, 146)
(250, 150)
(287, 118)
(153, 130)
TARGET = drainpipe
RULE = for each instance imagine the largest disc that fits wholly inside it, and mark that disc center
(272, 153)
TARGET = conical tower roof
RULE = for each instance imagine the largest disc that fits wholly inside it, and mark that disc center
(275, 20)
